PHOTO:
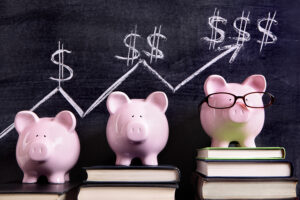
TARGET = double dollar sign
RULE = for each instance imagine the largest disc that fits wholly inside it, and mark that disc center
(266, 30)
(153, 42)
(217, 34)
(243, 36)
(61, 66)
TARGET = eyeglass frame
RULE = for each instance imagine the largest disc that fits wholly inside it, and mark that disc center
(236, 98)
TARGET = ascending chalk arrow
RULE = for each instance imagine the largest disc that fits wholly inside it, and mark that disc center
(228, 49)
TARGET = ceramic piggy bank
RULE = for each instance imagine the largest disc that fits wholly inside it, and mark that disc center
(46, 146)
(232, 111)
(137, 127)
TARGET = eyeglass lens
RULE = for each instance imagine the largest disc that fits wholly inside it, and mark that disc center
(224, 100)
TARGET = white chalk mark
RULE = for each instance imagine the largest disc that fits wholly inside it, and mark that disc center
(111, 88)
(108, 91)
(212, 30)
(213, 24)
(62, 61)
(243, 35)
(215, 35)
(267, 30)
(132, 53)
(155, 73)
(61, 65)
(7, 130)
(153, 42)
(48, 96)
(134, 40)
(157, 44)
(201, 69)
(72, 102)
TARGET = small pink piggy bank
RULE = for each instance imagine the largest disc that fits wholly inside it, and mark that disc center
(137, 127)
(234, 112)
(46, 146)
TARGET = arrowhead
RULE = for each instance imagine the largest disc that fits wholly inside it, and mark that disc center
(229, 48)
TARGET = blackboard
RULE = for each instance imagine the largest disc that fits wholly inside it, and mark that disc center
(30, 32)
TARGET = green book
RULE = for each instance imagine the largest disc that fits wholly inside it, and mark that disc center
(241, 153)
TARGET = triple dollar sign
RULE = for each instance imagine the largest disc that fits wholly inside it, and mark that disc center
(60, 52)
(153, 42)
(266, 31)
(244, 36)
(213, 23)
(133, 53)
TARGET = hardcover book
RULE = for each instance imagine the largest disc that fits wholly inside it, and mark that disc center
(237, 188)
(125, 174)
(127, 191)
(241, 153)
(244, 168)
(19, 191)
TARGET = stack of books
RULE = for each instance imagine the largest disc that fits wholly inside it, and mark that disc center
(244, 173)
(130, 183)
(39, 191)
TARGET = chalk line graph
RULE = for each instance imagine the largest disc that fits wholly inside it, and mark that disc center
(141, 63)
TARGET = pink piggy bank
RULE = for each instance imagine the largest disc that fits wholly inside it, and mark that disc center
(234, 112)
(137, 127)
(46, 146)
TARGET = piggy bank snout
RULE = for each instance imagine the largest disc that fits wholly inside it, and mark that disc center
(38, 151)
(239, 113)
(137, 131)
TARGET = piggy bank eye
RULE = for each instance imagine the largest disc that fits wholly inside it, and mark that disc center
(45, 136)
(141, 116)
(132, 116)
(229, 99)
(37, 135)
(246, 99)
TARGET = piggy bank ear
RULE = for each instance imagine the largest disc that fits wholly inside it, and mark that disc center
(213, 83)
(159, 99)
(115, 101)
(25, 119)
(67, 119)
(258, 82)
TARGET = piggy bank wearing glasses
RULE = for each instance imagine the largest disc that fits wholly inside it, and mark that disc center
(233, 111)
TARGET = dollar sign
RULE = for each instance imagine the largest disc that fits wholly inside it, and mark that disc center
(266, 31)
(60, 52)
(133, 53)
(213, 23)
(241, 30)
(153, 42)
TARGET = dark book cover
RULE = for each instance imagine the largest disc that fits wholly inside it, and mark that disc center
(155, 185)
(29, 188)
(120, 167)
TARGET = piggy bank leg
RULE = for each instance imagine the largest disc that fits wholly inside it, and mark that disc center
(218, 143)
(150, 160)
(58, 177)
(122, 160)
(29, 178)
(248, 143)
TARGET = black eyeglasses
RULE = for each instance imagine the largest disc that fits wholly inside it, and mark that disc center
(223, 100)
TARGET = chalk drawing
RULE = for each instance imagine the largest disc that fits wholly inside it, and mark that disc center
(153, 42)
(133, 53)
(266, 31)
(213, 24)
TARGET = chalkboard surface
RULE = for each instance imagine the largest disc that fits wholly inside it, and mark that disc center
(172, 46)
